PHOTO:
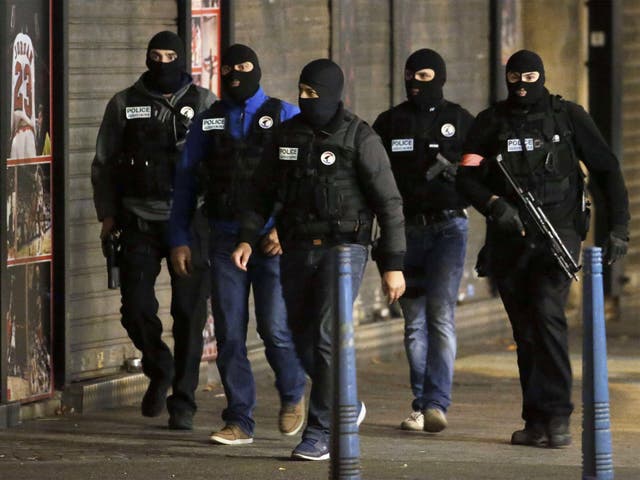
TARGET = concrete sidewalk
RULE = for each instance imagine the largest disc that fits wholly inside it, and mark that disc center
(120, 444)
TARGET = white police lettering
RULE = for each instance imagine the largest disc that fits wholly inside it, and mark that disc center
(528, 144)
(212, 124)
(402, 145)
(138, 112)
(514, 145)
(288, 153)
(328, 158)
(448, 130)
(265, 122)
(187, 111)
(434, 145)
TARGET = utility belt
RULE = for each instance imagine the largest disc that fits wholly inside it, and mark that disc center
(322, 234)
(433, 217)
(130, 221)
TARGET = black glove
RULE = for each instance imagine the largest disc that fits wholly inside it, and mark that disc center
(449, 173)
(616, 245)
(505, 216)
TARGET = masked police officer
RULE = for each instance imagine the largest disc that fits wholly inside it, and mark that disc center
(541, 138)
(138, 146)
(328, 174)
(414, 133)
(224, 147)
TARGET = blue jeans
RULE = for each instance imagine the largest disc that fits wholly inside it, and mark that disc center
(308, 283)
(230, 305)
(433, 269)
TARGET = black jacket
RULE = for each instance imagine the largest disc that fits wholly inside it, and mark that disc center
(375, 183)
(412, 138)
(112, 144)
(477, 178)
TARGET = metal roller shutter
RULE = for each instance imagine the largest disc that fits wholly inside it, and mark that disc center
(459, 31)
(107, 45)
(630, 303)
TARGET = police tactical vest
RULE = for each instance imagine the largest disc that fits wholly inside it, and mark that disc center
(322, 198)
(153, 134)
(229, 168)
(540, 155)
(413, 148)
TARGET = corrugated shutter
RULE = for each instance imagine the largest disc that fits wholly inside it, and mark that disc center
(286, 35)
(107, 46)
(459, 31)
(630, 302)
(631, 125)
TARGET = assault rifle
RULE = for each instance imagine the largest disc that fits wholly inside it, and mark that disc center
(110, 249)
(542, 225)
(441, 165)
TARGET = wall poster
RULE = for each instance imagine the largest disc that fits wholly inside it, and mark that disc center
(27, 280)
(206, 31)
(205, 44)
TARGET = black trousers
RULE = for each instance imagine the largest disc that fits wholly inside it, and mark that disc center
(534, 295)
(144, 246)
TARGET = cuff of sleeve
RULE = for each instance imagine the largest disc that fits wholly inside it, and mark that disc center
(178, 239)
(391, 262)
(106, 212)
(249, 236)
(621, 231)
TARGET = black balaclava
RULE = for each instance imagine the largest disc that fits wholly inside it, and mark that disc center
(429, 93)
(249, 81)
(525, 61)
(166, 77)
(327, 79)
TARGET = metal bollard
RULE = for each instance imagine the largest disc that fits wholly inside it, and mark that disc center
(345, 443)
(597, 460)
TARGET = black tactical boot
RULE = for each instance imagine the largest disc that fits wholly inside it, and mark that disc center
(533, 435)
(558, 432)
(154, 398)
(181, 420)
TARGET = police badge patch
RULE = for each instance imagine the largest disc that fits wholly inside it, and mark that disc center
(138, 112)
(402, 145)
(288, 153)
(328, 158)
(265, 122)
(212, 124)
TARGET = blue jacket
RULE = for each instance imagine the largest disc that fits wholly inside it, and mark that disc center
(198, 146)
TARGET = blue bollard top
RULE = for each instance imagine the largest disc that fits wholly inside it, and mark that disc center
(592, 260)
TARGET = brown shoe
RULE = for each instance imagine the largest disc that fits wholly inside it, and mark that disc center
(291, 418)
(434, 420)
(230, 435)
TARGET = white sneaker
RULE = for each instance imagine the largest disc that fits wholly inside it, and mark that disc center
(415, 421)
(362, 412)
(434, 420)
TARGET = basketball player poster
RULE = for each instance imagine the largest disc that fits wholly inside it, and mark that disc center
(27, 273)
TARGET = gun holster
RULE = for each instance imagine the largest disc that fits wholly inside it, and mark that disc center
(111, 251)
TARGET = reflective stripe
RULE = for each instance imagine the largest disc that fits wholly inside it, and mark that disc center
(471, 160)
